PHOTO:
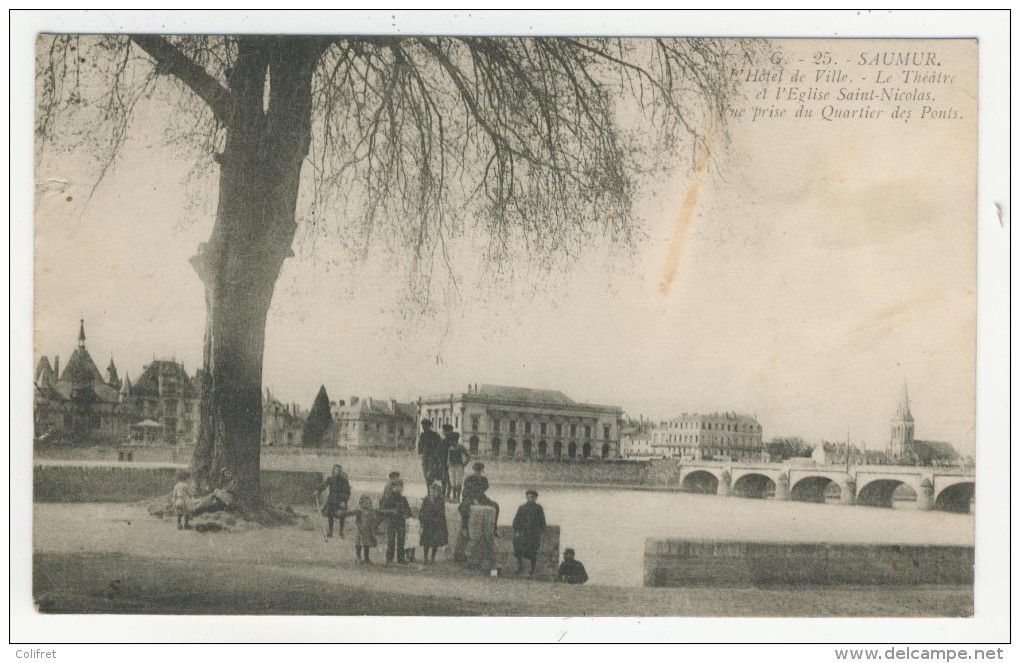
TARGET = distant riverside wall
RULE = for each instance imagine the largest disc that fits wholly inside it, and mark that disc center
(655, 474)
(687, 563)
(126, 483)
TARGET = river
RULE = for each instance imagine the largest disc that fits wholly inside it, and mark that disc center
(608, 528)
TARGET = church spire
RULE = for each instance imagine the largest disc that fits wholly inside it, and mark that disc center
(81, 335)
(904, 412)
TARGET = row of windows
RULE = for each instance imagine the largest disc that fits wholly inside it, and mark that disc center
(542, 450)
(697, 439)
(390, 428)
(443, 416)
(701, 425)
(543, 428)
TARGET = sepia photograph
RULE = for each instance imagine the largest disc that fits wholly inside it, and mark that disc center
(372, 320)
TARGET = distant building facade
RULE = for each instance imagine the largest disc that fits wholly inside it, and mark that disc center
(520, 422)
(77, 405)
(366, 422)
(709, 436)
(166, 395)
(282, 424)
(636, 440)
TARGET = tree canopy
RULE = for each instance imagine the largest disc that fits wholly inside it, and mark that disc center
(533, 142)
(413, 140)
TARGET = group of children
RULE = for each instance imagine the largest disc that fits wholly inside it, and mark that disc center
(395, 516)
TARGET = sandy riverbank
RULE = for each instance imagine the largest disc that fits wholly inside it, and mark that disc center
(115, 558)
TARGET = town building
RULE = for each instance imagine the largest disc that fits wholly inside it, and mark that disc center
(366, 422)
(904, 448)
(636, 439)
(282, 424)
(166, 395)
(725, 435)
(519, 422)
(77, 405)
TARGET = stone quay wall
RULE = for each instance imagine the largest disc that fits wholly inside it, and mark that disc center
(124, 482)
(366, 464)
(699, 562)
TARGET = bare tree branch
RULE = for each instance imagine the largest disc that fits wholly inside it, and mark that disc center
(170, 60)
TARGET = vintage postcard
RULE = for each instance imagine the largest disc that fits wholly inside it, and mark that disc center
(440, 324)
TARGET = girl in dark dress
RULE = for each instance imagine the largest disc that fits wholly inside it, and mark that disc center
(432, 516)
(529, 525)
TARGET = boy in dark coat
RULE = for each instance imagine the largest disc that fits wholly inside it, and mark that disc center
(571, 571)
(388, 488)
(336, 501)
(397, 511)
(529, 525)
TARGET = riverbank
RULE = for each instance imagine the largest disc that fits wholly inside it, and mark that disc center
(657, 475)
(115, 558)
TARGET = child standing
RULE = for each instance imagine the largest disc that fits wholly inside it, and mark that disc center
(457, 459)
(367, 522)
(397, 510)
(182, 498)
(411, 538)
(432, 516)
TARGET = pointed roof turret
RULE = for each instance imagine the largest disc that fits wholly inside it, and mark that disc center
(125, 387)
(81, 334)
(112, 378)
(44, 376)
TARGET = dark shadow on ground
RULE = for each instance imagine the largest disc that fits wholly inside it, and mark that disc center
(128, 584)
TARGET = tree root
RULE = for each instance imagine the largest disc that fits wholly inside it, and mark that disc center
(262, 515)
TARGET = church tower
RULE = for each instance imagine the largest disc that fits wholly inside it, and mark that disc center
(901, 441)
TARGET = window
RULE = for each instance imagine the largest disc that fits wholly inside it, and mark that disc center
(474, 422)
(573, 431)
(541, 428)
(559, 429)
(587, 431)
(605, 431)
(495, 425)
(527, 427)
(513, 426)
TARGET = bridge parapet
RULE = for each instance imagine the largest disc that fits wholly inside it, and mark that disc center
(935, 487)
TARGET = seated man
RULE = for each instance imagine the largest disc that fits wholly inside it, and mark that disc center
(571, 571)
(220, 498)
(474, 493)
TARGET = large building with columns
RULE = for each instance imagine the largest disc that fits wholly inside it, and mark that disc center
(519, 422)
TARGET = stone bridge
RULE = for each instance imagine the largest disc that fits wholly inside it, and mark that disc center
(944, 489)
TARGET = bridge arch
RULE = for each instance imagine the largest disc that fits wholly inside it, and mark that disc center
(700, 481)
(956, 497)
(754, 485)
(884, 492)
(813, 489)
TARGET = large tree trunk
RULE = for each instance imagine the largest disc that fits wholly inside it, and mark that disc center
(260, 168)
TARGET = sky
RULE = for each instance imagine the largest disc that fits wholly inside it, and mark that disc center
(803, 277)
